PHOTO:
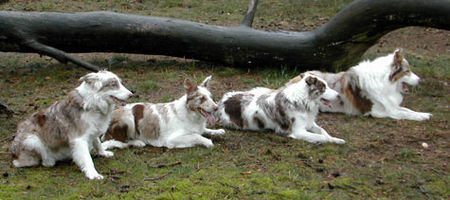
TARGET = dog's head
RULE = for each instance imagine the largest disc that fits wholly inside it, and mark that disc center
(318, 90)
(107, 85)
(199, 100)
(401, 73)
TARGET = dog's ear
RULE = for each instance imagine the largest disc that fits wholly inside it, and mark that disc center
(205, 82)
(92, 80)
(296, 79)
(189, 86)
(398, 58)
(310, 80)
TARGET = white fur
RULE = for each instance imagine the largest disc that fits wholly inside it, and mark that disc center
(184, 127)
(386, 95)
(97, 106)
(304, 126)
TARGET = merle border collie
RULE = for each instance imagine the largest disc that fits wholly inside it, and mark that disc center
(176, 124)
(291, 110)
(374, 88)
(70, 128)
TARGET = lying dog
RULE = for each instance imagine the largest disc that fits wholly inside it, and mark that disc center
(176, 124)
(374, 88)
(290, 110)
(69, 129)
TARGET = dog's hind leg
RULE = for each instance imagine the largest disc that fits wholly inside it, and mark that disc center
(82, 157)
(101, 150)
(184, 141)
(26, 159)
(34, 151)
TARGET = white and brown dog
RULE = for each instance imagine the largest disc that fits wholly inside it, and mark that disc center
(290, 110)
(177, 124)
(70, 128)
(374, 88)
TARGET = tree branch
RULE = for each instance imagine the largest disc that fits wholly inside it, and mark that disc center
(250, 14)
(335, 46)
(59, 55)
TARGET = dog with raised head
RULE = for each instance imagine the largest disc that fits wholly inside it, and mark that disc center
(70, 128)
(176, 124)
(374, 88)
(291, 110)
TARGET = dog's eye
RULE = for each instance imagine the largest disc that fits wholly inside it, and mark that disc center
(114, 84)
(203, 99)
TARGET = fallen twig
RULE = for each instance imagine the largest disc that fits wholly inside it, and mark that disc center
(8, 138)
(159, 177)
(167, 165)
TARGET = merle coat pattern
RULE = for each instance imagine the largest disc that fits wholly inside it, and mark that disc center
(70, 128)
(177, 124)
(290, 110)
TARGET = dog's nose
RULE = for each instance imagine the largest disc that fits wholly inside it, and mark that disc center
(216, 108)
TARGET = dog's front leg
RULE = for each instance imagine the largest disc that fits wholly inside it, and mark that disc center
(399, 113)
(319, 130)
(214, 132)
(188, 140)
(82, 157)
(413, 115)
(101, 150)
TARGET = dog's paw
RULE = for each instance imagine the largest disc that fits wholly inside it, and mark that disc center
(16, 163)
(209, 144)
(420, 116)
(427, 116)
(107, 154)
(219, 132)
(137, 143)
(94, 175)
(48, 162)
(337, 140)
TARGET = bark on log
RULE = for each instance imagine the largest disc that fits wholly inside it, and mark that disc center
(336, 45)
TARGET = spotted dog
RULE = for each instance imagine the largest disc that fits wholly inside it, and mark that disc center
(290, 110)
(176, 124)
(70, 128)
(374, 88)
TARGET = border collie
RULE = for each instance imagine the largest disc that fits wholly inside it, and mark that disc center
(290, 110)
(70, 128)
(374, 88)
(177, 124)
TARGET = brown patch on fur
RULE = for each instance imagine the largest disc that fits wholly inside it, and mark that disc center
(296, 79)
(259, 121)
(138, 113)
(352, 92)
(172, 106)
(150, 124)
(280, 114)
(190, 100)
(163, 111)
(40, 118)
(117, 132)
(112, 83)
(233, 109)
(398, 70)
(400, 74)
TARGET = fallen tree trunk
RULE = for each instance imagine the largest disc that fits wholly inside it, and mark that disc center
(336, 45)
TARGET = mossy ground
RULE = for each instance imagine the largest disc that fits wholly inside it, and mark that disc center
(383, 158)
